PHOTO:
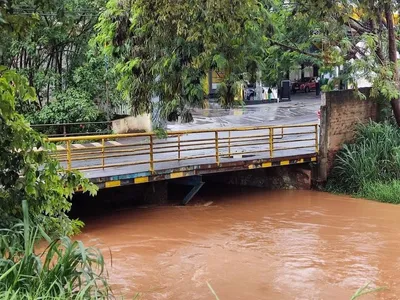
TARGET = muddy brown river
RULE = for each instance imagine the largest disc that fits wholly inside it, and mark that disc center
(252, 244)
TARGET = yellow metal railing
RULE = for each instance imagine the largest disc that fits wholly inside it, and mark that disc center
(198, 146)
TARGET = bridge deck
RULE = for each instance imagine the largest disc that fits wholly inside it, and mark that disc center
(113, 160)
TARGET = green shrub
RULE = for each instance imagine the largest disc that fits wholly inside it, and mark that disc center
(374, 156)
(71, 106)
(64, 270)
(371, 162)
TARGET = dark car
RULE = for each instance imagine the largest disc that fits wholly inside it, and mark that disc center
(305, 85)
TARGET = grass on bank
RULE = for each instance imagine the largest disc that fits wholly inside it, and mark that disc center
(370, 167)
(388, 192)
(64, 270)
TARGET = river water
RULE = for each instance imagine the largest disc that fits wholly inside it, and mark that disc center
(252, 244)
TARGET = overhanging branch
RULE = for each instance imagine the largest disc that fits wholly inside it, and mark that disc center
(296, 49)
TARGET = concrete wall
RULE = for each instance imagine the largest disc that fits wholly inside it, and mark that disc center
(341, 111)
(132, 124)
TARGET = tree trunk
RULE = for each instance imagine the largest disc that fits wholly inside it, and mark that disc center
(48, 93)
(393, 59)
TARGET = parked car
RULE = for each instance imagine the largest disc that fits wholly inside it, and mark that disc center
(305, 85)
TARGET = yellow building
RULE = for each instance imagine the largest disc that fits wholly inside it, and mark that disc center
(211, 83)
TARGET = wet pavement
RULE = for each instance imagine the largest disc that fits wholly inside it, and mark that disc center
(302, 109)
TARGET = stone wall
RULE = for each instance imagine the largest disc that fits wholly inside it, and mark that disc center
(341, 111)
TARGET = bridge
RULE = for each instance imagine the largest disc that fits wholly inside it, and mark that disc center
(122, 159)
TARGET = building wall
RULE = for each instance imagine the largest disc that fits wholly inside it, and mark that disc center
(295, 74)
(341, 111)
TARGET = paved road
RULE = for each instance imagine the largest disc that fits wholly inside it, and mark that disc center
(302, 109)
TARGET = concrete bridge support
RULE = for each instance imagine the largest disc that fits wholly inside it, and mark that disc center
(153, 193)
(284, 177)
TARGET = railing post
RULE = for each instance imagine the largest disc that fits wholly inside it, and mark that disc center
(102, 153)
(151, 155)
(281, 132)
(64, 130)
(271, 142)
(229, 144)
(69, 164)
(216, 148)
(179, 147)
(316, 138)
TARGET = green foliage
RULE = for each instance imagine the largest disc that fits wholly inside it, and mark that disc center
(388, 192)
(352, 34)
(29, 174)
(98, 79)
(47, 40)
(370, 167)
(48, 43)
(65, 269)
(293, 40)
(168, 47)
(71, 106)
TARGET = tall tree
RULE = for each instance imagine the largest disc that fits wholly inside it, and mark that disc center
(168, 47)
(360, 34)
(27, 170)
(392, 45)
(292, 40)
(46, 40)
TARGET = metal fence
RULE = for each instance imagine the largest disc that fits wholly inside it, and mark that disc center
(74, 129)
(149, 153)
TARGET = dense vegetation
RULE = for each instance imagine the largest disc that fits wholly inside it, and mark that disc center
(167, 48)
(370, 167)
(64, 269)
(29, 175)
(135, 50)
(72, 106)
(48, 43)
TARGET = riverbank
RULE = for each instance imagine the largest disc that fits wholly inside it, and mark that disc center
(250, 244)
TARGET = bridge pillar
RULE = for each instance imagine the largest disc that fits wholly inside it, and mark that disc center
(155, 193)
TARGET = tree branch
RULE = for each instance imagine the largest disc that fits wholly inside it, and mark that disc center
(358, 26)
(296, 49)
